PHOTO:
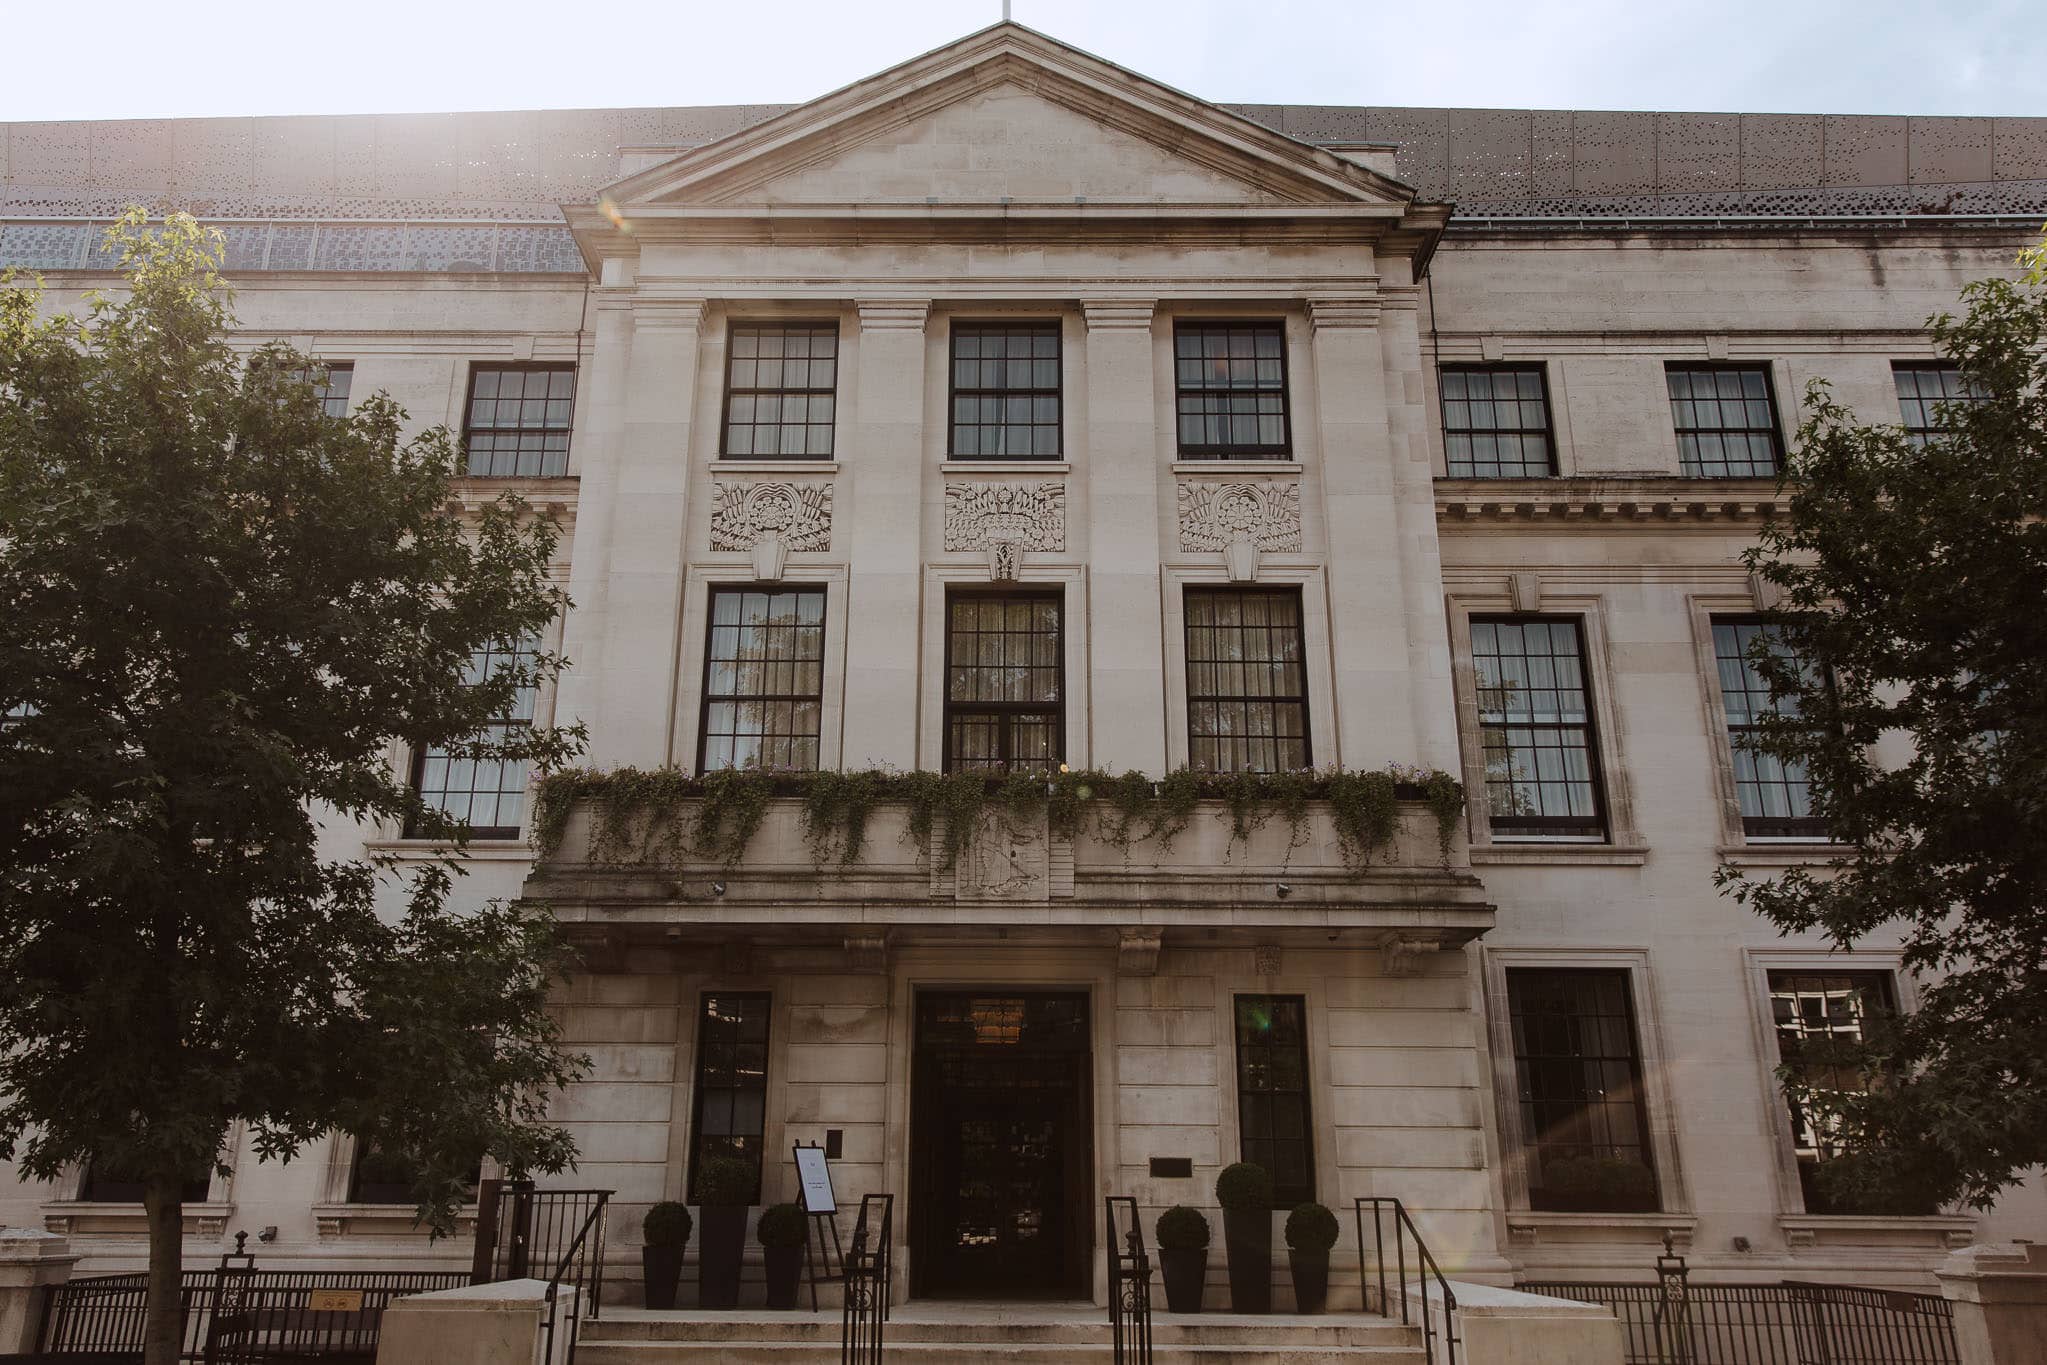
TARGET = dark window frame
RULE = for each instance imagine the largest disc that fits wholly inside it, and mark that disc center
(1596, 828)
(529, 648)
(118, 1190)
(1284, 450)
(1779, 981)
(1529, 1066)
(1055, 594)
(705, 698)
(1775, 427)
(732, 330)
(1547, 431)
(1056, 329)
(1806, 828)
(1285, 1194)
(390, 1191)
(479, 368)
(1187, 627)
(765, 1001)
(1920, 432)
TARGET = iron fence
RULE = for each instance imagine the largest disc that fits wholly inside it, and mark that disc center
(1429, 1289)
(863, 1318)
(1675, 1322)
(236, 1312)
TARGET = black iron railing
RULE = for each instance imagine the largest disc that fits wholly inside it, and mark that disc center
(522, 1232)
(580, 1270)
(238, 1311)
(1770, 1324)
(1421, 1300)
(863, 1317)
(1129, 1282)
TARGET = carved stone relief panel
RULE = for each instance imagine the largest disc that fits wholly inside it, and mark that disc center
(1241, 518)
(770, 518)
(1020, 516)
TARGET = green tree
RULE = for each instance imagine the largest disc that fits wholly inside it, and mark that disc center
(1914, 582)
(220, 608)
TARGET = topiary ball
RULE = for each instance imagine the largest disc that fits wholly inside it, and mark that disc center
(725, 1182)
(1311, 1227)
(1244, 1185)
(782, 1225)
(667, 1224)
(1182, 1229)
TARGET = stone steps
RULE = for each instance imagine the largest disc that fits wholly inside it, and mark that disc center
(1031, 1336)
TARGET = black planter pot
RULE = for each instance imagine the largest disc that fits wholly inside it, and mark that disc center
(721, 1254)
(1186, 1271)
(785, 1268)
(1247, 1233)
(662, 1267)
(1311, 1279)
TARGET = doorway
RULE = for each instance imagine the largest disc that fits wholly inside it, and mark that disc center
(1000, 1145)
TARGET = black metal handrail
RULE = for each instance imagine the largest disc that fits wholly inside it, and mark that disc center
(863, 1316)
(583, 1259)
(1788, 1323)
(1404, 1231)
(1129, 1284)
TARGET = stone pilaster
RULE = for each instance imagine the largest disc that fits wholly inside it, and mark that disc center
(634, 695)
(596, 465)
(884, 474)
(1126, 666)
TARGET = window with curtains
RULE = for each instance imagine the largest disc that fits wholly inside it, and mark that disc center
(781, 390)
(1578, 1074)
(1247, 684)
(489, 793)
(1004, 690)
(518, 420)
(1775, 795)
(1726, 418)
(1923, 387)
(1230, 379)
(763, 679)
(1005, 391)
(731, 1105)
(1535, 727)
(1273, 1128)
(1496, 422)
(1808, 1009)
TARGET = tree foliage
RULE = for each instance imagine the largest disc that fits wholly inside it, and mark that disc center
(219, 608)
(1914, 582)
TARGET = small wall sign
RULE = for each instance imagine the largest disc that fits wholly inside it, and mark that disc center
(334, 1300)
(814, 1177)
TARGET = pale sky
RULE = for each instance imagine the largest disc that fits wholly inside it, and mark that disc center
(146, 58)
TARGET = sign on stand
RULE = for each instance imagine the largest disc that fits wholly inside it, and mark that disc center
(814, 1181)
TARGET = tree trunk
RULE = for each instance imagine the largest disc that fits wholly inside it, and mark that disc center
(164, 1323)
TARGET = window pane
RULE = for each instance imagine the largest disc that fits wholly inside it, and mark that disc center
(732, 1082)
(1004, 657)
(519, 420)
(763, 679)
(1231, 382)
(1535, 726)
(1496, 422)
(1006, 390)
(1247, 705)
(1775, 796)
(780, 390)
(1580, 1091)
(488, 793)
(1726, 423)
(1272, 1093)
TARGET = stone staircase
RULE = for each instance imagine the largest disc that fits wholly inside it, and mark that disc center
(1040, 1334)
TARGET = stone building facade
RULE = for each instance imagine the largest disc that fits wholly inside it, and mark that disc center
(1010, 406)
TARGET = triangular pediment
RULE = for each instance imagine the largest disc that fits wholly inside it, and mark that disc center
(1007, 116)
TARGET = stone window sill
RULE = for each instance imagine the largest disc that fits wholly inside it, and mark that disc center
(123, 1220)
(1059, 466)
(479, 850)
(1528, 1227)
(1560, 854)
(1289, 465)
(743, 464)
(1831, 1229)
(1795, 853)
(340, 1220)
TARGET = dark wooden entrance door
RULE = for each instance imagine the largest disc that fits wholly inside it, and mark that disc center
(1000, 1145)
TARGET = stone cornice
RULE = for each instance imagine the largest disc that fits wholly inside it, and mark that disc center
(1119, 314)
(655, 311)
(885, 315)
(1330, 313)
(1608, 501)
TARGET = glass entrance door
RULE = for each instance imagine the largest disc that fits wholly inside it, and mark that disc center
(1000, 1145)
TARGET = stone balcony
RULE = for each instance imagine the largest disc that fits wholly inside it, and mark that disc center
(1013, 879)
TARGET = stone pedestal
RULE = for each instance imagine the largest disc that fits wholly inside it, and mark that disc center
(30, 1262)
(483, 1324)
(1999, 1294)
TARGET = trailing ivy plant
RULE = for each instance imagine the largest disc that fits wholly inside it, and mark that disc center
(662, 815)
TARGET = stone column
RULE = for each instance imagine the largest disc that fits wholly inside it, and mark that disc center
(633, 695)
(1127, 666)
(597, 452)
(1367, 561)
(883, 464)
(31, 1261)
(1999, 1295)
